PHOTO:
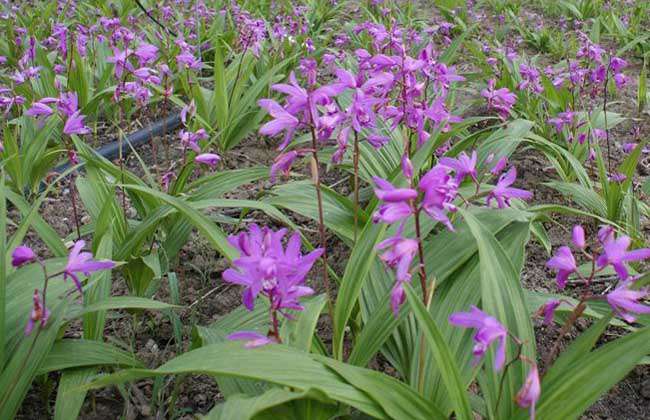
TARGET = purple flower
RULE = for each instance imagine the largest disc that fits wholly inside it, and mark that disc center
(439, 190)
(22, 255)
(75, 125)
(625, 301)
(396, 202)
(463, 165)
(210, 159)
(188, 110)
(501, 100)
(187, 60)
(146, 53)
(82, 262)
(386, 192)
(253, 339)
(616, 254)
(399, 254)
(502, 192)
(283, 164)
(578, 237)
(282, 121)
(39, 109)
(264, 266)
(548, 310)
(499, 166)
(38, 314)
(530, 391)
(488, 330)
(564, 263)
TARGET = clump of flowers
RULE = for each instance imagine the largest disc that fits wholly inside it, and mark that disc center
(79, 262)
(267, 267)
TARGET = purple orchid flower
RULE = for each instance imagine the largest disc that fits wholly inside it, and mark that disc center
(210, 159)
(616, 254)
(253, 339)
(265, 267)
(530, 391)
(463, 165)
(83, 262)
(440, 190)
(282, 121)
(488, 330)
(75, 125)
(38, 314)
(22, 255)
(564, 263)
(625, 301)
(503, 191)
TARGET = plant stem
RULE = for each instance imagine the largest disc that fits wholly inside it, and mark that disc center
(577, 312)
(321, 219)
(503, 376)
(356, 183)
(73, 200)
(423, 272)
(609, 155)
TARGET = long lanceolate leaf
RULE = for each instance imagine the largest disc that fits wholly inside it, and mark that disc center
(569, 389)
(502, 297)
(373, 393)
(442, 355)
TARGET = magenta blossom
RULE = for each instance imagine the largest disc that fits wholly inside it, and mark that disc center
(399, 254)
(463, 165)
(75, 125)
(440, 190)
(253, 339)
(22, 255)
(283, 121)
(266, 267)
(578, 237)
(488, 330)
(548, 310)
(501, 99)
(396, 202)
(83, 262)
(564, 263)
(210, 159)
(530, 391)
(625, 301)
(616, 254)
(38, 314)
(282, 164)
(503, 191)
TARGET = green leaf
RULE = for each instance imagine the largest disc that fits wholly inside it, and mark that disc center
(589, 376)
(298, 333)
(442, 356)
(70, 353)
(371, 392)
(502, 297)
(121, 302)
(69, 398)
(273, 404)
(25, 362)
(212, 233)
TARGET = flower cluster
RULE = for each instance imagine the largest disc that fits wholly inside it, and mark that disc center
(615, 253)
(265, 266)
(79, 262)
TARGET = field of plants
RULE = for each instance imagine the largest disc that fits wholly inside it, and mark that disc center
(322, 209)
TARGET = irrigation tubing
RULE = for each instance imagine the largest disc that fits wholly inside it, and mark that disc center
(112, 150)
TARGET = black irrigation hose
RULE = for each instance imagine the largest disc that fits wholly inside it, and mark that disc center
(112, 150)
